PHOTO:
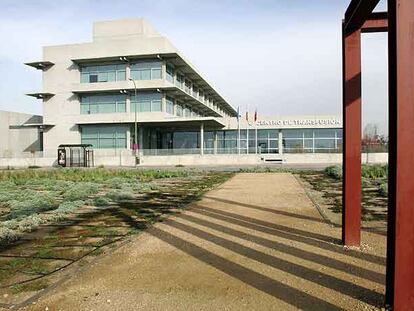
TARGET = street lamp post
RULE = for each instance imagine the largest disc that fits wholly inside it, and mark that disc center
(135, 118)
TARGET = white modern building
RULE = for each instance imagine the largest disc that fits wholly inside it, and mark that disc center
(131, 84)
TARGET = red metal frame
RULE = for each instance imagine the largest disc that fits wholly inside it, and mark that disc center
(351, 216)
(400, 263)
(399, 22)
(352, 188)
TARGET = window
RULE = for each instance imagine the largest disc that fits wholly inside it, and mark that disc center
(169, 105)
(187, 112)
(186, 140)
(208, 142)
(103, 73)
(179, 110)
(147, 102)
(102, 104)
(179, 81)
(308, 140)
(104, 137)
(267, 141)
(188, 86)
(170, 73)
(227, 142)
(195, 92)
(149, 70)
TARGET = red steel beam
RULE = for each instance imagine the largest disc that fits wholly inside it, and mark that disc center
(377, 22)
(351, 213)
(357, 13)
(400, 251)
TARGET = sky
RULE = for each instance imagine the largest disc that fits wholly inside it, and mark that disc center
(282, 57)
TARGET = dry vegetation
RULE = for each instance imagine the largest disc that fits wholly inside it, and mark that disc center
(51, 219)
(325, 188)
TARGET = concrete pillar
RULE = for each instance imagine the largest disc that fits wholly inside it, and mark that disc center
(247, 139)
(202, 138)
(280, 142)
(164, 70)
(128, 71)
(164, 102)
(129, 146)
(128, 104)
(255, 140)
(141, 141)
(215, 142)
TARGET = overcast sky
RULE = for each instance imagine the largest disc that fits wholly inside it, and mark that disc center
(281, 56)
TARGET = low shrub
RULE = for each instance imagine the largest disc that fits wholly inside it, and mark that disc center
(39, 202)
(101, 201)
(80, 191)
(69, 206)
(383, 189)
(8, 236)
(29, 223)
(334, 171)
(120, 195)
(120, 182)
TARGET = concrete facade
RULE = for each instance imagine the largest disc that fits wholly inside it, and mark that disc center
(19, 134)
(123, 42)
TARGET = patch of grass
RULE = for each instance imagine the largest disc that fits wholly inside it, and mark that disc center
(37, 267)
(44, 252)
(101, 201)
(70, 206)
(98, 175)
(29, 287)
(375, 171)
(120, 195)
(80, 191)
(28, 203)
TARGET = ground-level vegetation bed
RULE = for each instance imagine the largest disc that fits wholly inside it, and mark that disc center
(325, 188)
(50, 219)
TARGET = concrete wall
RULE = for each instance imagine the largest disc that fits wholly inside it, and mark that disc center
(15, 138)
(125, 158)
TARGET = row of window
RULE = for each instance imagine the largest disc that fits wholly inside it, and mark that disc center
(323, 140)
(105, 137)
(146, 70)
(102, 104)
(190, 88)
(180, 109)
(146, 102)
(104, 73)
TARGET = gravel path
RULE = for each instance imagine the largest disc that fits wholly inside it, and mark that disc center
(254, 243)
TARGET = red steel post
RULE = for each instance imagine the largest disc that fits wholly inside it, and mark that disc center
(400, 252)
(351, 213)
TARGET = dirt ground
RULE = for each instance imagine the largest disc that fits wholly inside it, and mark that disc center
(254, 243)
